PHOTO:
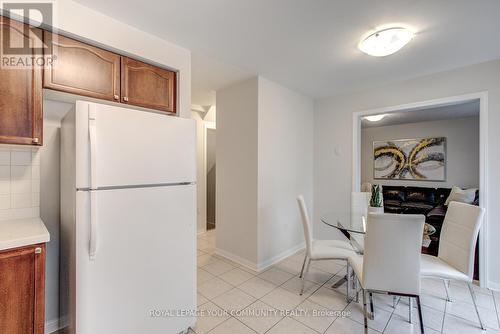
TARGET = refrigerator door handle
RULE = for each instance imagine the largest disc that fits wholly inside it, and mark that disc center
(93, 225)
(93, 148)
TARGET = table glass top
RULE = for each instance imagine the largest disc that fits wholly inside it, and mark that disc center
(356, 222)
(346, 221)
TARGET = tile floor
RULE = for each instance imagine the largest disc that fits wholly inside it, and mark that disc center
(226, 286)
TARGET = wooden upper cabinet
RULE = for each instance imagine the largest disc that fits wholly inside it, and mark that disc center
(21, 113)
(147, 86)
(22, 287)
(82, 69)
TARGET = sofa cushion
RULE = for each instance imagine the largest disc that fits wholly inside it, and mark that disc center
(394, 194)
(438, 211)
(417, 206)
(461, 195)
(426, 195)
(391, 202)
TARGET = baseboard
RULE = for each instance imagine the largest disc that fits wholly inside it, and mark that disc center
(52, 326)
(280, 257)
(494, 286)
(263, 265)
(235, 258)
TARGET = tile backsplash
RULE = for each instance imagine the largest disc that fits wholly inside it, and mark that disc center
(19, 182)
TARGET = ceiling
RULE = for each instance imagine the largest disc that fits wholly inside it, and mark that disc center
(311, 46)
(468, 109)
(209, 75)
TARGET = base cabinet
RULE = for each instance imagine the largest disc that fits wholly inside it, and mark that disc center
(22, 286)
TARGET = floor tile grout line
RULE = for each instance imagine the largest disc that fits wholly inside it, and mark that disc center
(444, 316)
(496, 308)
(278, 286)
(253, 330)
(322, 285)
(319, 286)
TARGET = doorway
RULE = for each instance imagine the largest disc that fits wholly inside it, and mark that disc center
(480, 98)
(210, 177)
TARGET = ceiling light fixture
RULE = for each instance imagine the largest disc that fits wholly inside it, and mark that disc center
(375, 118)
(386, 41)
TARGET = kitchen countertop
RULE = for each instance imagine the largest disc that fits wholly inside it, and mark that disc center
(22, 232)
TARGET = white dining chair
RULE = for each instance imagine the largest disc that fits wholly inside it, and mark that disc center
(360, 201)
(391, 260)
(455, 260)
(317, 250)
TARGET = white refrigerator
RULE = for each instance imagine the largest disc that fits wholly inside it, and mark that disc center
(128, 239)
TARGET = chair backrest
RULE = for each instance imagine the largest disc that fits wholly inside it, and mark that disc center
(459, 235)
(392, 253)
(360, 203)
(306, 224)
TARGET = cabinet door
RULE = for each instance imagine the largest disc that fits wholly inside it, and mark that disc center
(20, 91)
(22, 285)
(82, 69)
(148, 86)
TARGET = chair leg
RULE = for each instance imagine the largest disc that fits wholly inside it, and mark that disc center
(372, 311)
(305, 270)
(410, 305)
(447, 288)
(394, 298)
(348, 281)
(356, 282)
(303, 265)
(419, 306)
(365, 311)
(473, 295)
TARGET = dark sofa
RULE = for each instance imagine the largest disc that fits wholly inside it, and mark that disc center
(413, 200)
(419, 200)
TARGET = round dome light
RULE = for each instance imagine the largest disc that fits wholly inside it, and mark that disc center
(386, 42)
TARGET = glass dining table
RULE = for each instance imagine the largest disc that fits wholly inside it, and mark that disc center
(351, 225)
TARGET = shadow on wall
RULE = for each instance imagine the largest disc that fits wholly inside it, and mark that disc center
(49, 212)
(211, 181)
(211, 195)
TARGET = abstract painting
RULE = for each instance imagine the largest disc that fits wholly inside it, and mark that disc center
(410, 159)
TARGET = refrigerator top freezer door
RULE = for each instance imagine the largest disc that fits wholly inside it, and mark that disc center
(118, 147)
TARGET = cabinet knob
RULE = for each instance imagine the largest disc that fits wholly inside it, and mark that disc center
(38, 250)
(116, 97)
(125, 98)
(36, 140)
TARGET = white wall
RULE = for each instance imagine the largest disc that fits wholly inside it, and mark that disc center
(201, 120)
(264, 160)
(462, 150)
(237, 163)
(333, 132)
(285, 168)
